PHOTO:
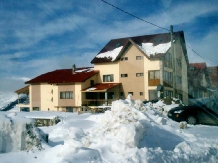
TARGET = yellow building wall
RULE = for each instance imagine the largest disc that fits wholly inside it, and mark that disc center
(35, 96)
(46, 97)
(132, 83)
(107, 69)
(149, 66)
(66, 102)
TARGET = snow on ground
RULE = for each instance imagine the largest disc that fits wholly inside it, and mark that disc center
(130, 132)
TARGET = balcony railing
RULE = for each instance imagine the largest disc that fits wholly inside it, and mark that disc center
(97, 102)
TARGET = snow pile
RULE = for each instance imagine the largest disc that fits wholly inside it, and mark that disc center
(150, 49)
(122, 124)
(110, 54)
(131, 132)
(17, 133)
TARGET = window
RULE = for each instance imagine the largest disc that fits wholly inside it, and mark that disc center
(139, 74)
(66, 95)
(124, 75)
(121, 94)
(118, 44)
(124, 58)
(108, 78)
(141, 93)
(130, 93)
(168, 60)
(152, 95)
(178, 62)
(36, 109)
(179, 96)
(69, 109)
(179, 79)
(168, 93)
(101, 95)
(153, 78)
(168, 78)
(92, 82)
(110, 95)
(139, 57)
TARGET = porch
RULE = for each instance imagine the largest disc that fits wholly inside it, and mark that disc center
(100, 94)
(23, 104)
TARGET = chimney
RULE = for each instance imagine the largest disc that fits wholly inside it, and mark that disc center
(73, 68)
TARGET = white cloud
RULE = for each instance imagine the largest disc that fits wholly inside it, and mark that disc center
(59, 26)
(24, 79)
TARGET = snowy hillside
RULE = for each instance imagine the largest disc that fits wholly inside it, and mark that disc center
(130, 132)
(6, 98)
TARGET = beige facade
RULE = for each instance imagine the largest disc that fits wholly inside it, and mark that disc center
(132, 71)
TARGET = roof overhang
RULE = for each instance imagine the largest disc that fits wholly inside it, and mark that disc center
(24, 90)
(102, 87)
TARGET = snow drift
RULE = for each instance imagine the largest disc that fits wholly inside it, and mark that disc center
(17, 133)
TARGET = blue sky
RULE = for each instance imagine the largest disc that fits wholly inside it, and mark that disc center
(41, 36)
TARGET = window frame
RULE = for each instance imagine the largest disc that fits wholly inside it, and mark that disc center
(131, 93)
(153, 80)
(139, 57)
(124, 59)
(123, 75)
(66, 95)
(106, 77)
(139, 74)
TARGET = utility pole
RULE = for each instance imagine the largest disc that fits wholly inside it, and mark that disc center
(173, 60)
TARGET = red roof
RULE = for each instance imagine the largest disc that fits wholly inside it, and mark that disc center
(65, 76)
(198, 65)
(102, 87)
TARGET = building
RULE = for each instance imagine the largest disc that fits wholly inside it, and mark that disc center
(134, 65)
(141, 63)
(198, 79)
(213, 75)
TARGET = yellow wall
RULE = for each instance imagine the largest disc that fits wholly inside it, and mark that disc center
(35, 96)
(46, 97)
(150, 65)
(107, 69)
(132, 83)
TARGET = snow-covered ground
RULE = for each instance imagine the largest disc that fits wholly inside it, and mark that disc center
(130, 132)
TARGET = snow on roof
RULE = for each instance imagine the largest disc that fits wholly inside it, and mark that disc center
(110, 54)
(149, 48)
(91, 89)
(84, 70)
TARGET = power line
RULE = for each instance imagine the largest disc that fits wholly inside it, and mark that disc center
(199, 55)
(135, 16)
(151, 24)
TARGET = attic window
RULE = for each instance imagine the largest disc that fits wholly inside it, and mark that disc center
(124, 58)
(118, 44)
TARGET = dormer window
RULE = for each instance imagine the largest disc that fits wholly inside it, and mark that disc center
(139, 57)
(118, 45)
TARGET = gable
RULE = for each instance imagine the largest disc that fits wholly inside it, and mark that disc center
(153, 46)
